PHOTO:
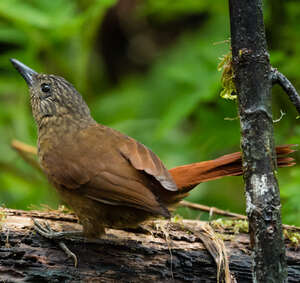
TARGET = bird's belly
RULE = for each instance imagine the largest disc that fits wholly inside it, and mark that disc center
(95, 216)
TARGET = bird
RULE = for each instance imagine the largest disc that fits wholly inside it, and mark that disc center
(109, 179)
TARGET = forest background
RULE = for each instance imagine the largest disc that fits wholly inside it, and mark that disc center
(149, 69)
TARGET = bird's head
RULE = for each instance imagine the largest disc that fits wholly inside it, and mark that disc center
(52, 96)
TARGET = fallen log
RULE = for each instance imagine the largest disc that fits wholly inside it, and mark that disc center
(163, 251)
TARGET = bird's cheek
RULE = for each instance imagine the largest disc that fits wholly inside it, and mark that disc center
(34, 105)
(47, 108)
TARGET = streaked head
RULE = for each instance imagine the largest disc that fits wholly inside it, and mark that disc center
(52, 96)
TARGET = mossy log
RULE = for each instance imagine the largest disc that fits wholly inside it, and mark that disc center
(161, 252)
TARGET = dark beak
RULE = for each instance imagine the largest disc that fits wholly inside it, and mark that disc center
(25, 71)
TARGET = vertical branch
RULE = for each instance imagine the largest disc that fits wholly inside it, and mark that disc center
(253, 81)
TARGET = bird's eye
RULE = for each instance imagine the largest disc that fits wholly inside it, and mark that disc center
(45, 87)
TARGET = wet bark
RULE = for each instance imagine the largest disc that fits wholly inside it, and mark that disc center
(253, 79)
(127, 257)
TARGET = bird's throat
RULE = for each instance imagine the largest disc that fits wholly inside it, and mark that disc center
(59, 126)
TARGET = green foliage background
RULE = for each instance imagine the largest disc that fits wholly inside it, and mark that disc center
(160, 84)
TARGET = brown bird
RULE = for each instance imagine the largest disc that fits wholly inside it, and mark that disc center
(106, 177)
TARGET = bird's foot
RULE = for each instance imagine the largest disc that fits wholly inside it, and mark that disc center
(46, 231)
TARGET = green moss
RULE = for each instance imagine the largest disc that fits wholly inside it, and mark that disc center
(229, 90)
(241, 226)
(225, 237)
(236, 226)
(177, 219)
(292, 237)
(46, 208)
(2, 218)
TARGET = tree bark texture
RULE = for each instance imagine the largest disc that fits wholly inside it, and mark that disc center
(125, 257)
(253, 80)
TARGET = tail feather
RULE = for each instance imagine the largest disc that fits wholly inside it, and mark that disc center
(188, 176)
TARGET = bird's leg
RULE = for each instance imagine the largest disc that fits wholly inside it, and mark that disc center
(46, 231)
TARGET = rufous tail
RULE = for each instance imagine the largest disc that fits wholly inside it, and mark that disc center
(188, 176)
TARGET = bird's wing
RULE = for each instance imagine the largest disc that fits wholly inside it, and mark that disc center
(143, 159)
(108, 167)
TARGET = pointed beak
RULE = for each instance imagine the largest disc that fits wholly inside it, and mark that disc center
(25, 71)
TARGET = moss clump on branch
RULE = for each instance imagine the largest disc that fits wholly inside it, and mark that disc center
(2, 218)
(292, 237)
(229, 90)
(236, 226)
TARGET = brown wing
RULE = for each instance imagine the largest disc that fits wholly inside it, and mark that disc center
(142, 158)
(108, 167)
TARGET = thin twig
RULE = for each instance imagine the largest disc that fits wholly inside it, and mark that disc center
(287, 86)
(23, 147)
(210, 209)
(218, 211)
(27, 152)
